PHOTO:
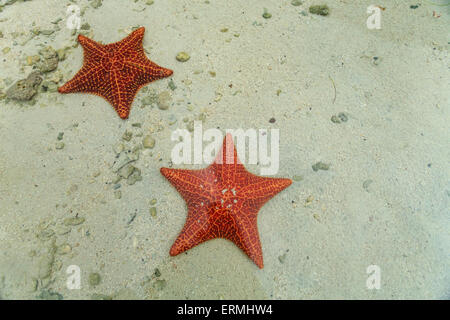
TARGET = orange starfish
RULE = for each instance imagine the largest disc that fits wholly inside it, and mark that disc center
(223, 202)
(115, 71)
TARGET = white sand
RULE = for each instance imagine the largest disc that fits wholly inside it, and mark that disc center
(397, 136)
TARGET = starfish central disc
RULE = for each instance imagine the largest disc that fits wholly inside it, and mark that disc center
(115, 71)
(113, 62)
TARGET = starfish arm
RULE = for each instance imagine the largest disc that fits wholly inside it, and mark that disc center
(89, 79)
(202, 226)
(227, 164)
(195, 231)
(91, 48)
(191, 184)
(122, 93)
(261, 189)
(132, 43)
(147, 71)
(246, 236)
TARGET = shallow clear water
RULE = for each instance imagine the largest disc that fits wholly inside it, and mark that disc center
(362, 117)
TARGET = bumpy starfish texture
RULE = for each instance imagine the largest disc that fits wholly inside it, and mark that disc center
(223, 201)
(115, 71)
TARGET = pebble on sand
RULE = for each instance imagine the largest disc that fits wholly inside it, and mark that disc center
(266, 14)
(94, 279)
(75, 221)
(134, 177)
(148, 142)
(163, 100)
(321, 10)
(59, 145)
(127, 135)
(50, 60)
(320, 166)
(25, 89)
(183, 56)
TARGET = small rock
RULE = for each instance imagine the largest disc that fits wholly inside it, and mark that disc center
(127, 135)
(94, 279)
(342, 116)
(75, 221)
(59, 145)
(96, 4)
(25, 89)
(64, 249)
(62, 53)
(85, 26)
(153, 212)
(118, 194)
(50, 60)
(134, 177)
(376, 61)
(282, 258)
(172, 85)
(31, 60)
(182, 56)
(118, 147)
(309, 200)
(335, 119)
(366, 184)
(320, 166)
(126, 171)
(322, 10)
(296, 3)
(266, 14)
(148, 142)
(164, 99)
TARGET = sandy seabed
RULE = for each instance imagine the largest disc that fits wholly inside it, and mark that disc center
(383, 201)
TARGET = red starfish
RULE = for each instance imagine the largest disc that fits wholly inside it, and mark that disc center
(115, 71)
(223, 202)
